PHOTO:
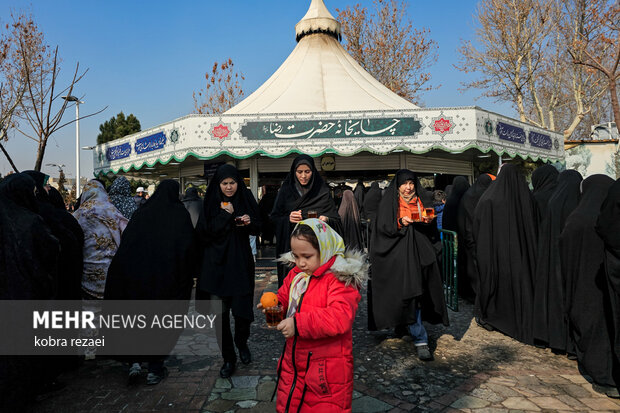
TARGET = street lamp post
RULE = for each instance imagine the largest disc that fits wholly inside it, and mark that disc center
(77, 101)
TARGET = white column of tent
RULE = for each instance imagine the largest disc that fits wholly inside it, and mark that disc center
(254, 176)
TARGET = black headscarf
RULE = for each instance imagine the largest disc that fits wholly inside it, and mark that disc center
(582, 256)
(404, 267)
(371, 202)
(608, 228)
(55, 199)
(69, 233)
(505, 236)
(193, 204)
(549, 318)
(467, 265)
(156, 258)
(451, 210)
(544, 182)
(350, 218)
(120, 197)
(293, 197)
(227, 262)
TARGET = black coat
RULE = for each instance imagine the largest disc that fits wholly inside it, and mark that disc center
(583, 254)
(227, 262)
(371, 202)
(550, 324)
(608, 228)
(316, 198)
(505, 236)
(451, 209)
(350, 218)
(404, 266)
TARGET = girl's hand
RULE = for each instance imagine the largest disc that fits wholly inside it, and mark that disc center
(405, 221)
(287, 327)
(260, 307)
(323, 218)
(227, 206)
(246, 219)
(295, 216)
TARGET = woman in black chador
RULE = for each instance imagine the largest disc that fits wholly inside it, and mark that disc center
(406, 282)
(229, 217)
(505, 234)
(350, 218)
(302, 191)
(155, 261)
(608, 228)
(582, 256)
(450, 211)
(468, 267)
(549, 318)
(544, 182)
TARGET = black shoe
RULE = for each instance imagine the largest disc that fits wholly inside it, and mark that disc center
(227, 370)
(245, 355)
(424, 353)
(155, 378)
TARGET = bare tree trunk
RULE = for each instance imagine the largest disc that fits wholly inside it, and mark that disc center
(614, 101)
(535, 100)
(576, 121)
(40, 154)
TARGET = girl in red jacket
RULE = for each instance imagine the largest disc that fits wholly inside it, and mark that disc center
(320, 297)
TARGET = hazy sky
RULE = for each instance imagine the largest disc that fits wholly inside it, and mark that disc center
(147, 58)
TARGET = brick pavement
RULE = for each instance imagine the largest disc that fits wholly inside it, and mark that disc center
(474, 371)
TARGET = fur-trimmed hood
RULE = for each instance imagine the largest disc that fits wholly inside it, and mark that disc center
(352, 269)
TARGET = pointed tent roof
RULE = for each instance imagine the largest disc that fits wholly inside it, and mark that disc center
(320, 76)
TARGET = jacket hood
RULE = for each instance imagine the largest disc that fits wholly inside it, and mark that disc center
(352, 269)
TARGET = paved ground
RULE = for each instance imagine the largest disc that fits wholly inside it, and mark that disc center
(474, 371)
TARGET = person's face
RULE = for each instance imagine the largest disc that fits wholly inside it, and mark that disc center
(228, 187)
(304, 174)
(307, 258)
(407, 189)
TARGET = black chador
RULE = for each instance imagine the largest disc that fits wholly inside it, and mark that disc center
(450, 211)
(608, 228)
(293, 196)
(544, 182)
(227, 264)
(505, 234)
(549, 318)
(583, 254)
(468, 267)
(350, 218)
(405, 274)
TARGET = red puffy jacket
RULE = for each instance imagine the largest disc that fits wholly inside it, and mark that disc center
(316, 368)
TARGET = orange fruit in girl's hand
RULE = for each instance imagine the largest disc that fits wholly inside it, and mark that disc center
(269, 299)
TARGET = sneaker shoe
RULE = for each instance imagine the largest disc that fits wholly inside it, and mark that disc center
(153, 379)
(134, 372)
(424, 353)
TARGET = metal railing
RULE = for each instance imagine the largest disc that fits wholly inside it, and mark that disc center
(449, 268)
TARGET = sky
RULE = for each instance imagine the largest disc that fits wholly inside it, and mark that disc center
(147, 58)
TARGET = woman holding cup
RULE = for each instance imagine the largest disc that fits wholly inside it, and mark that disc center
(303, 195)
(229, 216)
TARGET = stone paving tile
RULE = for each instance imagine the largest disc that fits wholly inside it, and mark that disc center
(598, 403)
(520, 403)
(469, 402)
(549, 403)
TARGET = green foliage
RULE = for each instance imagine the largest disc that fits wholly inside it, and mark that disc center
(117, 127)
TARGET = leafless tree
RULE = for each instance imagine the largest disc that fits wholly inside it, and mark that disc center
(386, 44)
(223, 89)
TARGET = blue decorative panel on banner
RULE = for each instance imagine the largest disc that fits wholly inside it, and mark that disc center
(510, 133)
(150, 143)
(539, 140)
(118, 152)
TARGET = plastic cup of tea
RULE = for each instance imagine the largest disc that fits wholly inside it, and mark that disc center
(239, 221)
(273, 316)
(313, 214)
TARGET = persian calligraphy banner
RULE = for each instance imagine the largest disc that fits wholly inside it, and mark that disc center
(539, 140)
(331, 129)
(510, 133)
(118, 152)
(150, 143)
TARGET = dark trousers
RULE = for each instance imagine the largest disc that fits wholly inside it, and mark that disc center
(224, 334)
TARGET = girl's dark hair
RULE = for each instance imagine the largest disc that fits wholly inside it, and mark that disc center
(305, 233)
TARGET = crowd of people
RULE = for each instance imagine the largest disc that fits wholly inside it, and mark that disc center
(541, 266)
